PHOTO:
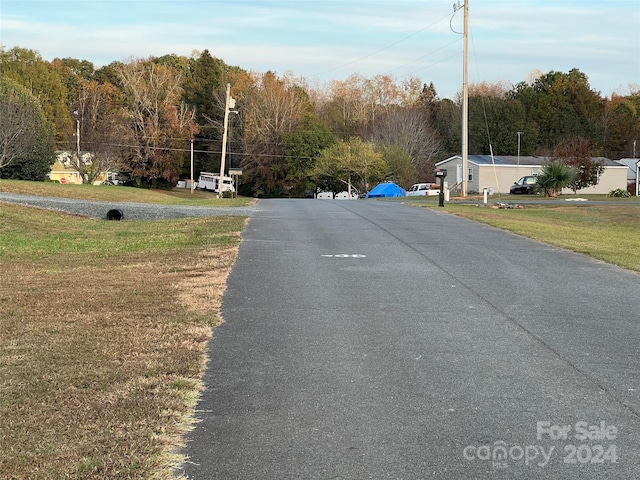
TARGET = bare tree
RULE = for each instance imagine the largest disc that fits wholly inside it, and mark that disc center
(99, 126)
(273, 108)
(346, 108)
(410, 130)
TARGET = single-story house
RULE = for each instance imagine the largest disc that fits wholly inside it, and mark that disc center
(633, 172)
(497, 174)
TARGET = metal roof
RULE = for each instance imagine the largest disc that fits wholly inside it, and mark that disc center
(512, 160)
(631, 164)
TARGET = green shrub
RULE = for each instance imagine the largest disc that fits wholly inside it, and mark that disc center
(554, 177)
(619, 192)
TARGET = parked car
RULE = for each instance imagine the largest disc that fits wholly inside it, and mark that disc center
(423, 189)
(345, 195)
(325, 195)
(525, 185)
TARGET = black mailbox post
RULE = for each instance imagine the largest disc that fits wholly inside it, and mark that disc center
(441, 174)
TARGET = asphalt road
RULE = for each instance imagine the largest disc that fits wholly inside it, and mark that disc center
(372, 340)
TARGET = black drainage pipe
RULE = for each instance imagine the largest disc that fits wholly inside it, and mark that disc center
(115, 214)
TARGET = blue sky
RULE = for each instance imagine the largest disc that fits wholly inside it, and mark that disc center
(325, 40)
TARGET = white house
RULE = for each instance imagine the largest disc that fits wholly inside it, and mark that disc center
(497, 174)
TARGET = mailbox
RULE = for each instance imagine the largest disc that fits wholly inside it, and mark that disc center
(440, 173)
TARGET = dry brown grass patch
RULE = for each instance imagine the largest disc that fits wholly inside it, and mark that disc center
(100, 361)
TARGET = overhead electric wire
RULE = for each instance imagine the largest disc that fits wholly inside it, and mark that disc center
(484, 111)
(381, 49)
(211, 152)
(426, 55)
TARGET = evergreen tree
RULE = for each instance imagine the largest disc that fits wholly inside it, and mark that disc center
(562, 105)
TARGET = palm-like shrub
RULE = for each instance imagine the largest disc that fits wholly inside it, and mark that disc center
(554, 177)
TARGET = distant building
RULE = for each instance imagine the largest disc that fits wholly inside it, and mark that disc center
(633, 172)
(62, 170)
(497, 174)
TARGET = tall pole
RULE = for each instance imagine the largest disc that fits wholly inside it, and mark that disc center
(224, 140)
(192, 184)
(519, 133)
(78, 138)
(465, 103)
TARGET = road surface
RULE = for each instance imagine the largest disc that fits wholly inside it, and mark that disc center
(373, 340)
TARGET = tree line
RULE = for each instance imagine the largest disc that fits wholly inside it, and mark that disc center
(143, 117)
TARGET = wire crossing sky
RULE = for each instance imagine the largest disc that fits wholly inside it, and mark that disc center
(325, 40)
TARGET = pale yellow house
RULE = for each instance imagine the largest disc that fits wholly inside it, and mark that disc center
(497, 174)
(63, 172)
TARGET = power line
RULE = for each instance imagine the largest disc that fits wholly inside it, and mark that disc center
(426, 55)
(381, 49)
(212, 152)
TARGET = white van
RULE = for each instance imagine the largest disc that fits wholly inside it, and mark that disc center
(209, 181)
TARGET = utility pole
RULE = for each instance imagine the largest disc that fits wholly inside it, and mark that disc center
(519, 133)
(78, 139)
(191, 185)
(228, 104)
(465, 104)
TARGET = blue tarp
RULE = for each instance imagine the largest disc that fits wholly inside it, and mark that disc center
(386, 190)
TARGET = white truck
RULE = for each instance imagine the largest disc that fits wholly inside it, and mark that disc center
(210, 181)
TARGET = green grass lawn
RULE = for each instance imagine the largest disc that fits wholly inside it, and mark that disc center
(112, 193)
(103, 329)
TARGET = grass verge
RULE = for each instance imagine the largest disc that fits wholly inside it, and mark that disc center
(111, 193)
(605, 232)
(103, 328)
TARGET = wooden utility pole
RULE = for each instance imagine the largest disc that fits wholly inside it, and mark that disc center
(465, 104)
(228, 104)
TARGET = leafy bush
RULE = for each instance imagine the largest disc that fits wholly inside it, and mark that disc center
(554, 177)
(619, 192)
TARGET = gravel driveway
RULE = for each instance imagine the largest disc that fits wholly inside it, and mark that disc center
(129, 210)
